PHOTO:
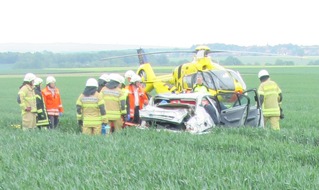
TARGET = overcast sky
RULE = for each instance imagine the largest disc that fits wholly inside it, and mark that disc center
(177, 23)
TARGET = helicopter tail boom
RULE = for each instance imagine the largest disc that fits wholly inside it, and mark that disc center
(141, 56)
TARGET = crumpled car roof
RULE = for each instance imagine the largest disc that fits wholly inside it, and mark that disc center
(185, 112)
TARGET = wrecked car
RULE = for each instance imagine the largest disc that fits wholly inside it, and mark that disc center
(201, 112)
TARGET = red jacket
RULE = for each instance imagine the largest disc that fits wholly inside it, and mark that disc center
(52, 101)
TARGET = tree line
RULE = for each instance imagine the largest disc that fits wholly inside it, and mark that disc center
(48, 59)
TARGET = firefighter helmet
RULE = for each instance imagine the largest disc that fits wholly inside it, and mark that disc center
(122, 79)
(129, 74)
(105, 77)
(262, 73)
(91, 82)
(50, 79)
(29, 77)
(136, 78)
(117, 77)
(37, 81)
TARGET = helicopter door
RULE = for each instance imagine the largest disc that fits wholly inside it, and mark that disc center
(233, 109)
(255, 116)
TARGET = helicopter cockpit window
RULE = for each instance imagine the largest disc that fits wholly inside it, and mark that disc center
(187, 81)
(208, 81)
(222, 79)
(237, 76)
(214, 79)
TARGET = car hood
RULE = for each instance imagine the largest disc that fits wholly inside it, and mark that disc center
(168, 114)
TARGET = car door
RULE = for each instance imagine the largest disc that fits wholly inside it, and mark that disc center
(255, 116)
(209, 104)
(233, 108)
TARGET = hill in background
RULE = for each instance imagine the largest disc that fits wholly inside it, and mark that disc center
(282, 49)
(38, 56)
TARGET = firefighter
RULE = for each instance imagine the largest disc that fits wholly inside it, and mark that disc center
(115, 101)
(199, 86)
(91, 114)
(124, 98)
(27, 102)
(104, 78)
(42, 115)
(128, 75)
(270, 99)
(137, 99)
(53, 103)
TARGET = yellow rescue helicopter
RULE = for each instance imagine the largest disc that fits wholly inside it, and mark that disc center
(215, 77)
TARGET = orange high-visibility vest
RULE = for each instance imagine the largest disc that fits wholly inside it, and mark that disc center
(52, 101)
(142, 97)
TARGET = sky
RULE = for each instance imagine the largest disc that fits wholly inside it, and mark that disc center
(174, 23)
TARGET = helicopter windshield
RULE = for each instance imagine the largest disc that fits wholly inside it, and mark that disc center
(213, 79)
(237, 76)
(219, 80)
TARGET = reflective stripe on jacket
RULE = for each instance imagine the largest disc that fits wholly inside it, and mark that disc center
(52, 101)
(270, 90)
(42, 119)
(114, 102)
(27, 98)
(123, 101)
(91, 110)
(200, 88)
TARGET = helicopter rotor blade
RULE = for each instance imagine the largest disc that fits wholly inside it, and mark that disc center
(117, 57)
(248, 52)
(151, 53)
(217, 51)
(194, 51)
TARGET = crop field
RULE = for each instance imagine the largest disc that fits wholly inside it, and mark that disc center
(227, 158)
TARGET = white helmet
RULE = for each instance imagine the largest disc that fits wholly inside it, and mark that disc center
(262, 73)
(91, 82)
(37, 81)
(122, 79)
(129, 74)
(50, 79)
(117, 77)
(29, 77)
(105, 77)
(136, 78)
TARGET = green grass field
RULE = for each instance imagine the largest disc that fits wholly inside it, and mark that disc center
(233, 158)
